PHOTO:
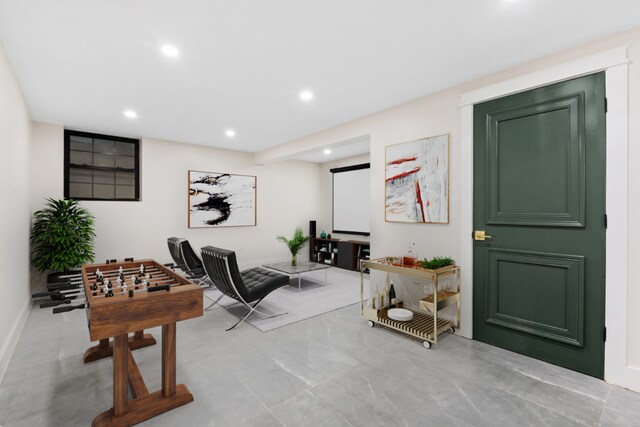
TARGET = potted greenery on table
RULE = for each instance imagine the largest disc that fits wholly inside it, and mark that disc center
(61, 237)
(295, 244)
(436, 263)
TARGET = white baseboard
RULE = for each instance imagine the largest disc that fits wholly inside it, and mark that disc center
(14, 335)
(625, 377)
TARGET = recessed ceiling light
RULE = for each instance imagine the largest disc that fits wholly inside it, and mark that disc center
(130, 114)
(230, 133)
(306, 95)
(170, 51)
(327, 151)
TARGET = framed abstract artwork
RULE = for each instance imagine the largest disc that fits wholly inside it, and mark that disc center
(417, 181)
(221, 200)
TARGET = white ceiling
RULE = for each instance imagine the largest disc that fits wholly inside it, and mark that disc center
(337, 150)
(242, 63)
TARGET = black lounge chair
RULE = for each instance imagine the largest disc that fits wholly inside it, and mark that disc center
(186, 260)
(176, 254)
(248, 287)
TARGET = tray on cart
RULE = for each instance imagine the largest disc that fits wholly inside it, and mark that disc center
(421, 326)
(445, 299)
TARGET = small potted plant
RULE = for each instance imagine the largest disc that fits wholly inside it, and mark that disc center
(61, 238)
(436, 263)
(295, 244)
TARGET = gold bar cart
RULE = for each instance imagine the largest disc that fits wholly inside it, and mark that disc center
(425, 324)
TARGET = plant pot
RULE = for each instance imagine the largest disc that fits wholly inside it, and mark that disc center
(294, 260)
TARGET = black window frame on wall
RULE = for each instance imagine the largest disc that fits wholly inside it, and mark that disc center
(68, 133)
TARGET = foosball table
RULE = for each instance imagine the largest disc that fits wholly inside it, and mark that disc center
(129, 297)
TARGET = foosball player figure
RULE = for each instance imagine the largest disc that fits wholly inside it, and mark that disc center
(135, 282)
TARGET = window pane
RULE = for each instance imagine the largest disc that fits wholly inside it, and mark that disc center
(125, 192)
(80, 175)
(80, 157)
(125, 149)
(80, 190)
(104, 160)
(110, 167)
(125, 162)
(80, 143)
(126, 178)
(101, 191)
(104, 146)
(103, 177)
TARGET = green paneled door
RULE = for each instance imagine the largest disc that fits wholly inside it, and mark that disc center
(539, 192)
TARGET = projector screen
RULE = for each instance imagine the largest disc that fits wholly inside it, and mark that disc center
(351, 214)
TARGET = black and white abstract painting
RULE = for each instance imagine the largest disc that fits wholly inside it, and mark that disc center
(417, 181)
(221, 200)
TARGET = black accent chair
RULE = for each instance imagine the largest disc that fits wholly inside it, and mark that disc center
(186, 260)
(248, 287)
(176, 254)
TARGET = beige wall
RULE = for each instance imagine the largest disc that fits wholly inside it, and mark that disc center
(440, 113)
(15, 146)
(286, 198)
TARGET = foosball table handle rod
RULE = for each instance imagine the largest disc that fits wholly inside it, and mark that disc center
(49, 304)
(67, 308)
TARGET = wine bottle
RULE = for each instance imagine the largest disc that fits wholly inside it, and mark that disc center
(392, 296)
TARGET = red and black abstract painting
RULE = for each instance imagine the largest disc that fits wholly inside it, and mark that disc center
(417, 181)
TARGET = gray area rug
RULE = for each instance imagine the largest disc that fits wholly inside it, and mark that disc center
(314, 298)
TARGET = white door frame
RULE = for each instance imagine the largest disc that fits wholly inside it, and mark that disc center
(615, 63)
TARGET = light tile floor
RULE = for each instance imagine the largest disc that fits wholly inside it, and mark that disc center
(331, 370)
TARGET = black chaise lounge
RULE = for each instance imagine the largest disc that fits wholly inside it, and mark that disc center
(248, 287)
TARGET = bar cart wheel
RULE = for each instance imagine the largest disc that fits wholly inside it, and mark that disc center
(371, 323)
(426, 344)
(451, 330)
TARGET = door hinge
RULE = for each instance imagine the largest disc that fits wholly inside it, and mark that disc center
(606, 105)
(606, 221)
(604, 334)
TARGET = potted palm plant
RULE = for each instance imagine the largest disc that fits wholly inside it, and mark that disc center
(61, 237)
(295, 244)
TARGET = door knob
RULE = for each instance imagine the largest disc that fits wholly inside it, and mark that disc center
(480, 235)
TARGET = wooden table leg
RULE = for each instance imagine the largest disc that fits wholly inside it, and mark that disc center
(120, 375)
(105, 348)
(169, 359)
(136, 383)
(145, 405)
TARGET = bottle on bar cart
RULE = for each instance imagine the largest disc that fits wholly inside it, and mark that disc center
(409, 259)
(392, 296)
